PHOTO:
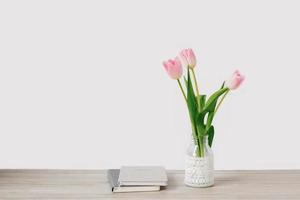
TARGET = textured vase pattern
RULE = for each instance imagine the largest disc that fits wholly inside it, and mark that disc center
(199, 172)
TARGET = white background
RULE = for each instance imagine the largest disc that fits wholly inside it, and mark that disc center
(82, 84)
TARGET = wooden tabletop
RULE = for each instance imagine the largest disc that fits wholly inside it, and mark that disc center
(92, 184)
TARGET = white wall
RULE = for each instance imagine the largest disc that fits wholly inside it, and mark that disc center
(82, 85)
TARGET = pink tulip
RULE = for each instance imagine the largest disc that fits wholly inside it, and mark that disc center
(173, 68)
(188, 58)
(235, 81)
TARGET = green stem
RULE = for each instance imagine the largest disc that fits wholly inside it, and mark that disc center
(195, 82)
(223, 97)
(201, 150)
(199, 143)
(182, 90)
(201, 146)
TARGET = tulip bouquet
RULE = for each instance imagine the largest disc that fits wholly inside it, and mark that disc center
(202, 109)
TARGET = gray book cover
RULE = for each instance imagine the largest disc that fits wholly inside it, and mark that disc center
(143, 175)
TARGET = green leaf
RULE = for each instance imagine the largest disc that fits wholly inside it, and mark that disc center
(211, 133)
(212, 106)
(210, 118)
(223, 84)
(191, 98)
(201, 102)
(212, 101)
(192, 105)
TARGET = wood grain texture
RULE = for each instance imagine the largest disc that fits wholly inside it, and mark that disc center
(92, 185)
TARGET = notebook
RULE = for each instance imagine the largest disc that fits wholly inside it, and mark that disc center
(137, 178)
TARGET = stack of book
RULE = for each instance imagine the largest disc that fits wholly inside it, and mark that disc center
(137, 178)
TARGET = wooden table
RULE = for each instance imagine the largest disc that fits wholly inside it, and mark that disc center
(92, 184)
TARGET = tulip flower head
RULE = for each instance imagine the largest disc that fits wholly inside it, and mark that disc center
(188, 58)
(173, 68)
(235, 80)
